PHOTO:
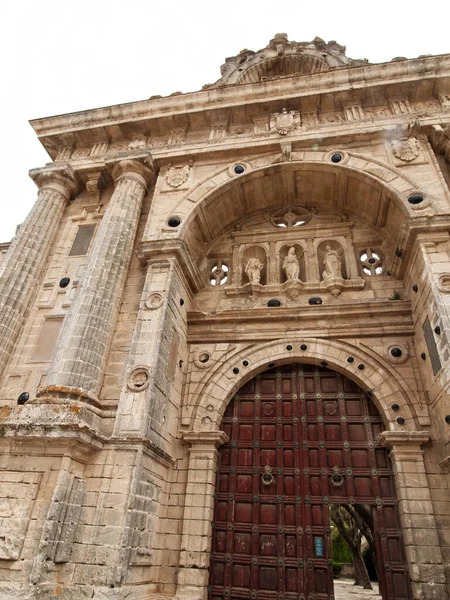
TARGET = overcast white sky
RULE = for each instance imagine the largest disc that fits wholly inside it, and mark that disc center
(61, 56)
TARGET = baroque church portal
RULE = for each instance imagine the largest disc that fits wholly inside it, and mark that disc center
(228, 311)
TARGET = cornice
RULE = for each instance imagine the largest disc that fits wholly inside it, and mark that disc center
(168, 249)
(210, 101)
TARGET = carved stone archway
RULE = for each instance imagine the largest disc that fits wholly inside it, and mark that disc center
(206, 406)
(404, 442)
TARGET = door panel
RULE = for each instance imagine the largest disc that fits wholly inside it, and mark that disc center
(291, 429)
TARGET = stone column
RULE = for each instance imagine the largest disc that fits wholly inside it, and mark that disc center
(423, 552)
(198, 514)
(84, 342)
(26, 258)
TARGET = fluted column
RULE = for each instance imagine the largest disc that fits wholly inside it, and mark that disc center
(84, 342)
(23, 265)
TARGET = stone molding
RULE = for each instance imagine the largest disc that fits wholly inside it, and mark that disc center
(59, 177)
(209, 398)
(205, 438)
(392, 439)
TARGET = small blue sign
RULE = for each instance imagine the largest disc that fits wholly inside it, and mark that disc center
(318, 547)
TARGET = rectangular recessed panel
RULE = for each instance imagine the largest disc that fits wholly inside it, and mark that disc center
(311, 408)
(317, 514)
(335, 458)
(432, 348)
(316, 488)
(246, 409)
(333, 432)
(360, 459)
(267, 514)
(48, 337)
(288, 433)
(243, 512)
(268, 386)
(328, 385)
(218, 573)
(244, 484)
(268, 578)
(288, 458)
(291, 580)
(220, 541)
(245, 457)
(313, 458)
(268, 457)
(312, 432)
(268, 545)
(241, 575)
(289, 514)
(320, 581)
(289, 485)
(242, 543)
(224, 482)
(287, 409)
(353, 408)
(268, 433)
(286, 386)
(82, 240)
(245, 432)
(386, 490)
(363, 486)
(356, 432)
(290, 545)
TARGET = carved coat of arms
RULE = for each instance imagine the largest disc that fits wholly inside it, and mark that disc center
(285, 121)
(406, 149)
(330, 407)
(176, 176)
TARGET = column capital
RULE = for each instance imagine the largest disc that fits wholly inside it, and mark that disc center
(59, 177)
(136, 165)
(205, 438)
(404, 439)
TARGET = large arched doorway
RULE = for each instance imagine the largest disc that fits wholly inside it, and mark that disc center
(301, 437)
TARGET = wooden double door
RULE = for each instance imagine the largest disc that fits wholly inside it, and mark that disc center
(300, 439)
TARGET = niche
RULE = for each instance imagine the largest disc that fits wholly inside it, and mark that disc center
(331, 258)
(292, 263)
(254, 266)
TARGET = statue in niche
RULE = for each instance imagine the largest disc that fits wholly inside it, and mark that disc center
(291, 265)
(332, 263)
(253, 270)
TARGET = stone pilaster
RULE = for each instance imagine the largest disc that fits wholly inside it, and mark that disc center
(23, 265)
(416, 511)
(82, 350)
(198, 514)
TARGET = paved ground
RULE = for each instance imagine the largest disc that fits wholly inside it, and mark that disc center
(344, 589)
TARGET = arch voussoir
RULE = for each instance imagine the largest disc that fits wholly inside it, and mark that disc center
(382, 381)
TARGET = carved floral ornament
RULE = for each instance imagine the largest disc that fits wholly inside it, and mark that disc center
(154, 301)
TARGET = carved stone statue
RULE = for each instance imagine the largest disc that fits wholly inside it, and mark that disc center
(253, 270)
(291, 265)
(332, 264)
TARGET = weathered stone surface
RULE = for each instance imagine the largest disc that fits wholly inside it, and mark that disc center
(297, 210)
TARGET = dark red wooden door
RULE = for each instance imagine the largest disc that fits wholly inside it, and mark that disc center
(300, 438)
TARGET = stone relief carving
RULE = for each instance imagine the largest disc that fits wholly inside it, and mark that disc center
(253, 270)
(285, 121)
(139, 379)
(291, 264)
(154, 301)
(406, 149)
(178, 175)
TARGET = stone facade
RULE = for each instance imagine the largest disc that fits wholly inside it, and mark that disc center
(297, 210)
